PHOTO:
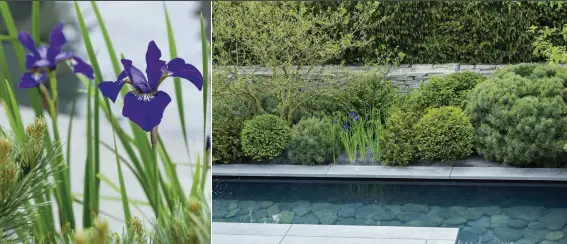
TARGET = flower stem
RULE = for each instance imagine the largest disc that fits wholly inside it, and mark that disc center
(52, 103)
(45, 97)
(154, 141)
(64, 189)
(53, 86)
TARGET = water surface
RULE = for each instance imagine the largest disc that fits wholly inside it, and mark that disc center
(492, 213)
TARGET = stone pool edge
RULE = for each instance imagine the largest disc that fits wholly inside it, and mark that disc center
(389, 172)
(304, 233)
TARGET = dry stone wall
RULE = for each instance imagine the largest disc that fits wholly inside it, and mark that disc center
(408, 77)
(405, 77)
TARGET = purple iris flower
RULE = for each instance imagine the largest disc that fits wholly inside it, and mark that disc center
(345, 126)
(354, 116)
(45, 58)
(145, 104)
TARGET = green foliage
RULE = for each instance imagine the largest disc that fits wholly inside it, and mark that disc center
(97, 233)
(311, 142)
(520, 115)
(362, 93)
(402, 31)
(356, 134)
(290, 38)
(24, 167)
(186, 224)
(454, 31)
(444, 134)
(229, 113)
(450, 90)
(370, 92)
(545, 47)
(397, 139)
(280, 34)
(325, 105)
(226, 135)
(264, 137)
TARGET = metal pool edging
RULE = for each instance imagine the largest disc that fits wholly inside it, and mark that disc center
(388, 172)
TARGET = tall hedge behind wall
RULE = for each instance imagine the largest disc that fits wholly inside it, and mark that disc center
(490, 32)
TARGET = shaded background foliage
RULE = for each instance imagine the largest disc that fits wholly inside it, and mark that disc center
(492, 32)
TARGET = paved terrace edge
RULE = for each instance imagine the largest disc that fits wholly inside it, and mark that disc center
(389, 172)
(300, 233)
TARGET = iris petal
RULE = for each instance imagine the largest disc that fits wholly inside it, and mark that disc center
(146, 113)
(154, 66)
(81, 67)
(122, 76)
(52, 52)
(62, 56)
(42, 51)
(31, 60)
(57, 39)
(27, 41)
(137, 78)
(110, 89)
(42, 63)
(30, 80)
(179, 68)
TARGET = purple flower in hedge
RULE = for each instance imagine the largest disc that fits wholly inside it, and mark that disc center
(45, 58)
(345, 126)
(354, 116)
(145, 104)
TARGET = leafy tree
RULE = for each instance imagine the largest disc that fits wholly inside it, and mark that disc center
(288, 38)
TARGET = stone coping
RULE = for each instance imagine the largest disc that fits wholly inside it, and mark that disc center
(388, 172)
(252, 233)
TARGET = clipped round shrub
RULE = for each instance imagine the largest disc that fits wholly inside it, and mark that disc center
(311, 142)
(444, 134)
(450, 90)
(520, 115)
(397, 138)
(264, 137)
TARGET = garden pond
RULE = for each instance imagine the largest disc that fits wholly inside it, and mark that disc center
(491, 212)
